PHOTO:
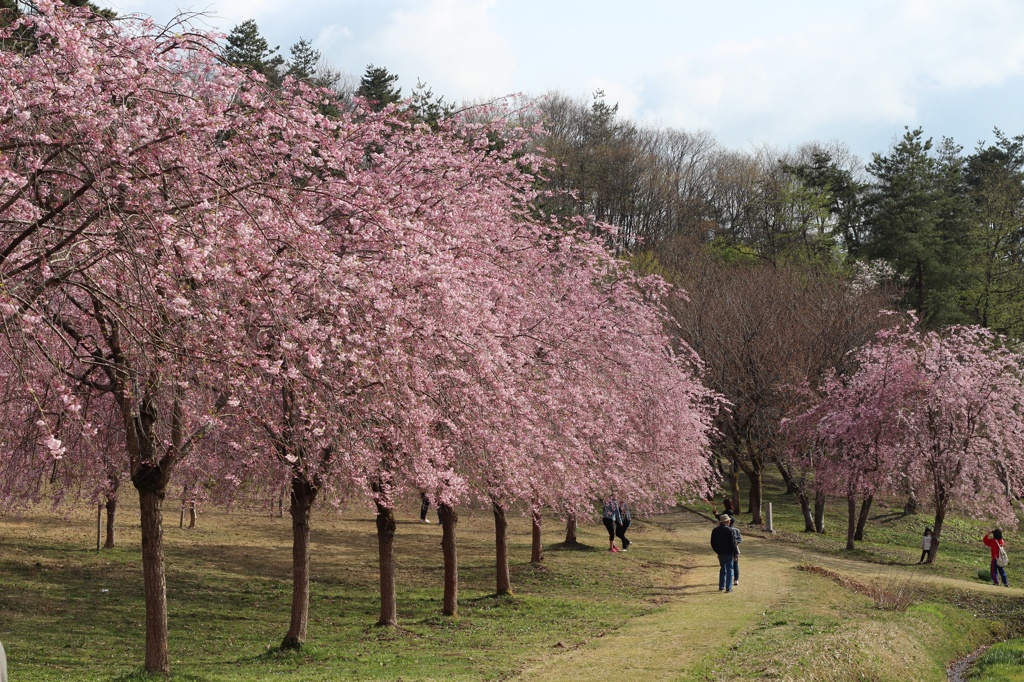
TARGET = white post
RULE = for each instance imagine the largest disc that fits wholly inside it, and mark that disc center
(769, 527)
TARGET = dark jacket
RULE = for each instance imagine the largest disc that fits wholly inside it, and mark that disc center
(723, 541)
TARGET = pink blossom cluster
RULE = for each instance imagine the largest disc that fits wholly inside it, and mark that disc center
(173, 235)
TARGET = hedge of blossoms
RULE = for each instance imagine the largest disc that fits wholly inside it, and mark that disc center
(203, 278)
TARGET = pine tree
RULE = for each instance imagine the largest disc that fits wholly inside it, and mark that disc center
(377, 87)
(247, 48)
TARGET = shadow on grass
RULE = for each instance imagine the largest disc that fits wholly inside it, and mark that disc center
(570, 547)
(140, 675)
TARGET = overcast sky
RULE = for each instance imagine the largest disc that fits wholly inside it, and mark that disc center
(752, 72)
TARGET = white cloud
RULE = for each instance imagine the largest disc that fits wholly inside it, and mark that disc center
(454, 45)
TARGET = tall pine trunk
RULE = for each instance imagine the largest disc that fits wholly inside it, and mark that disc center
(819, 511)
(862, 520)
(503, 577)
(151, 483)
(536, 549)
(851, 523)
(449, 520)
(386, 553)
(302, 497)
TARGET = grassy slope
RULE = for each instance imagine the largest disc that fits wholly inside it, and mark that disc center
(67, 613)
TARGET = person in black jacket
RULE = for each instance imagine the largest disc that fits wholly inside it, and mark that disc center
(724, 543)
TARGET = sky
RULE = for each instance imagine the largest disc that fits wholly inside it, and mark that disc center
(753, 73)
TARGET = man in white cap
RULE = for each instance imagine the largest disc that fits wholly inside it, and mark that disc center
(724, 543)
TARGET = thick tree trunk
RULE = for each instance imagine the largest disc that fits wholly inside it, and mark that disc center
(386, 553)
(940, 517)
(151, 498)
(111, 507)
(805, 509)
(851, 523)
(910, 507)
(192, 514)
(570, 530)
(449, 520)
(819, 511)
(537, 549)
(862, 520)
(503, 577)
(302, 498)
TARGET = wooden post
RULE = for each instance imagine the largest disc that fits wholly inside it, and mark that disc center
(769, 527)
(99, 523)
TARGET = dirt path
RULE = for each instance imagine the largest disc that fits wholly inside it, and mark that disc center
(698, 621)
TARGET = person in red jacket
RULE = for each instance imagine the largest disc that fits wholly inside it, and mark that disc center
(994, 540)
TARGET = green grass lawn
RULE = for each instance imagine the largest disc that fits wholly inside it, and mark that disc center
(68, 613)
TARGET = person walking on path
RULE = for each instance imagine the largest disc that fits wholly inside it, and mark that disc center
(926, 544)
(994, 540)
(611, 521)
(424, 508)
(625, 518)
(736, 558)
(724, 544)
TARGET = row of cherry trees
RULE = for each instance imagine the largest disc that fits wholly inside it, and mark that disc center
(934, 412)
(203, 279)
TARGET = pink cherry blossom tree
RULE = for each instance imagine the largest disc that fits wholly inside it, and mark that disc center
(942, 408)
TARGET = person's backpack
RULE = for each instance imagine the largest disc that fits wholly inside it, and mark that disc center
(1002, 559)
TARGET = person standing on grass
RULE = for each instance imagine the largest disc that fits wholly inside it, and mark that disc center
(724, 544)
(611, 521)
(926, 544)
(994, 540)
(625, 518)
(736, 559)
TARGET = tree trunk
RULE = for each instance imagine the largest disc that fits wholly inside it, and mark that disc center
(910, 507)
(797, 489)
(734, 485)
(151, 498)
(862, 520)
(537, 549)
(111, 506)
(755, 496)
(570, 531)
(851, 524)
(449, 520)
(819, 511)
(386, 553)
(504, 578)
(192, 514)
(805, 509)
(940, 517)
(302, 498)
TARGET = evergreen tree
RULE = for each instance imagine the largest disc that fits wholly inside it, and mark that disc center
(917, 221)
(247, 48)
(427, 108)
(377, 87)
(994, 293)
